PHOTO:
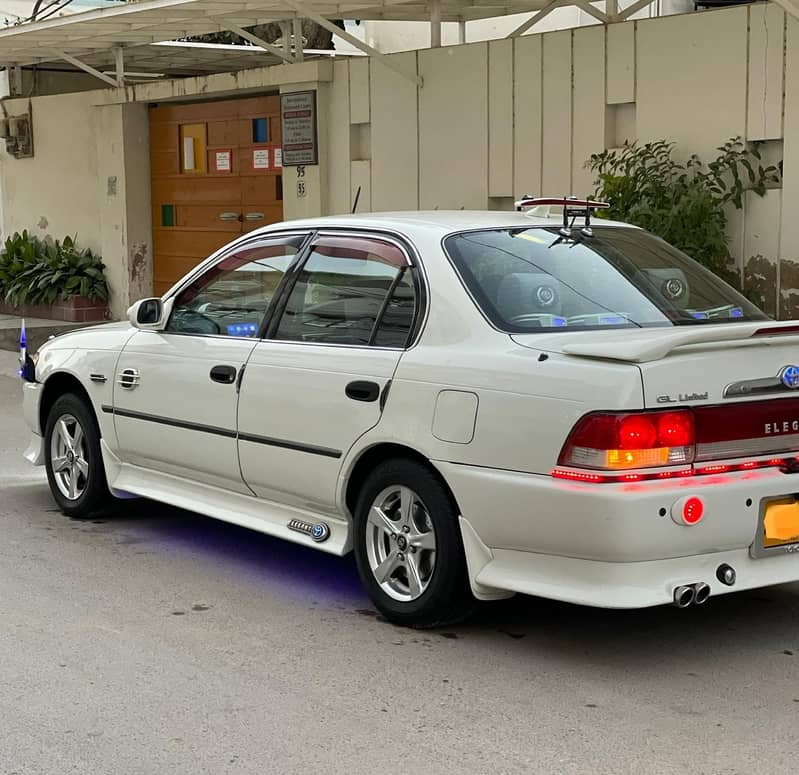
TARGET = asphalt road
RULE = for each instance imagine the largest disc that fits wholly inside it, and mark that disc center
(157, 641)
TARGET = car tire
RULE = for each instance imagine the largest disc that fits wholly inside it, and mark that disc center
(73, 459)
(403, 510)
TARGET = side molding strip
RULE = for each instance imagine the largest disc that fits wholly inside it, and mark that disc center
(225, 432)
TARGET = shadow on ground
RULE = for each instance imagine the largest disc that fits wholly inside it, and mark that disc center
(747, 622)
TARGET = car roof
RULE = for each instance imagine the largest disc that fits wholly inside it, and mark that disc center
(443, 221)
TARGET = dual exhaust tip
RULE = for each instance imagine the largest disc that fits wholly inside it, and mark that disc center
(691, 594)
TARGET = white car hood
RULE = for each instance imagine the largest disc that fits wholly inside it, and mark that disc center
(104, 336)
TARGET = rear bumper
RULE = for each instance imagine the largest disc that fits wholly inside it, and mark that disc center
(613, 545)
(630, 584)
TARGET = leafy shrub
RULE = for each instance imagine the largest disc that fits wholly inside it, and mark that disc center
(685, 204)
(39, 271)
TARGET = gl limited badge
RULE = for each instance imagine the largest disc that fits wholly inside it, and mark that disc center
(318, 531)
(789, 377)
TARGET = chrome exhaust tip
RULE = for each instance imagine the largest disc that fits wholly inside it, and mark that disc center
(701, 593)
(684, 596)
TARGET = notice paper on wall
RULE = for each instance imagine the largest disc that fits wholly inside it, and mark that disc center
(278, 157)
(222, 161)
(260, 159)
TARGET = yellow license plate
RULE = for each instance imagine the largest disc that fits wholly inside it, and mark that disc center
(781, 523)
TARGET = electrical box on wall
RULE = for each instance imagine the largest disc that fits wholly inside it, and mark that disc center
(17, 131)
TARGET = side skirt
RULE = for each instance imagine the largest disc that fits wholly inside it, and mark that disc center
(244, 510)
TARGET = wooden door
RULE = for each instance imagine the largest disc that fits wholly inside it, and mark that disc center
(216, 173)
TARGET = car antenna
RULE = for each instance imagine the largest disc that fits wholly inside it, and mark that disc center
(355, 203)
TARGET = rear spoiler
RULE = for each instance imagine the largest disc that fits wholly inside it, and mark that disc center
(640, 347)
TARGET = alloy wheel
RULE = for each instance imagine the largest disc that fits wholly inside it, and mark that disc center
(401, 543)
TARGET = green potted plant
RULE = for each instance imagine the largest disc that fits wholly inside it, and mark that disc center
(52, 279)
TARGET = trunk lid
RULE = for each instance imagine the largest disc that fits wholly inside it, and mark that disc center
(685, 366)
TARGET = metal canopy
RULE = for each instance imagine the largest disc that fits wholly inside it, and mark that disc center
(156, 21)
(175, 59)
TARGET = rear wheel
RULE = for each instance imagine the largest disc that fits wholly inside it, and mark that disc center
(408, 546)
(73, 459)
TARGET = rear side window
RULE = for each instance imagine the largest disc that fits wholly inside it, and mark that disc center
(351, 291)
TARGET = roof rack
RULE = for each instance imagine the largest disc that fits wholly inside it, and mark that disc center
(569, 206)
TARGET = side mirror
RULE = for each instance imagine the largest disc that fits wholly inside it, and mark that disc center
(147, 314)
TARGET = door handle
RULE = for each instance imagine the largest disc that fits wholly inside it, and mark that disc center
(361, 390)
(224, 374)
(229, 216)
(254, 216)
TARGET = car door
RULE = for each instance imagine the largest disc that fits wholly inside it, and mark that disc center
(318, 381)
(175, 391)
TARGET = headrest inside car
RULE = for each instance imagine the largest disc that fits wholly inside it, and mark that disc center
(671, 283)
(528, 293)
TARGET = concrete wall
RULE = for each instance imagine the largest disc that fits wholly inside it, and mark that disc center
(89, 178)
(499, 119)
(494, 120)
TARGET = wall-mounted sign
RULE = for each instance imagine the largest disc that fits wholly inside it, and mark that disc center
(260, 159)
(278, 158)
(298, 121)
(222, 160)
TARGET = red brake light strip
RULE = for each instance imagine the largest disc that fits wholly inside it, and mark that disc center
(614, 478)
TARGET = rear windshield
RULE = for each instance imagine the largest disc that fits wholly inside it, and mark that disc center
(529, 280)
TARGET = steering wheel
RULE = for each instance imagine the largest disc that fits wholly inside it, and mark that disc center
(190, 313)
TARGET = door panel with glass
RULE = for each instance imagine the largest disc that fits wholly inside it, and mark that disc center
(175, 394)
(317, 382)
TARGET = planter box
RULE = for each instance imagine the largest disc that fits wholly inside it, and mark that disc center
(78, 309)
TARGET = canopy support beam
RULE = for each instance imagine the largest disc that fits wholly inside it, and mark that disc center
(86, 68)
(789, 6)
(306, 12)
(256, 41)
(536, 17)
(634, 8)
(299, 41)
(435, 23)
(119, 65)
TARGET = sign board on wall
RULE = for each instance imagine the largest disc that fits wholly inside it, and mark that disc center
(298, 121)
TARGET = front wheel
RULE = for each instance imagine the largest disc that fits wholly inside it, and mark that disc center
(73, 459)
(408, 547)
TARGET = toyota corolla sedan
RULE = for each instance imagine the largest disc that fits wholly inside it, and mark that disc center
(475, 403)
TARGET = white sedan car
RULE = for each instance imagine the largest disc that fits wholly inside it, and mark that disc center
(476, 403)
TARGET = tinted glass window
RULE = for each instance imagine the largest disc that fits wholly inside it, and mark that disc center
(344, 287)
(232, 297)
(528, 280)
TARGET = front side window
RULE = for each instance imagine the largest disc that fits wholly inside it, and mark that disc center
(351, 290)
(233, 297)
(529, 280)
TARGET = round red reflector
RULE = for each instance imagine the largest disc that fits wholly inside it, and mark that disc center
(675, 430)
(692, 511)
(637, 432)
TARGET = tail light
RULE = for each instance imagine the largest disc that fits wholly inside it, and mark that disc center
(615, 442)
(699, 439)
